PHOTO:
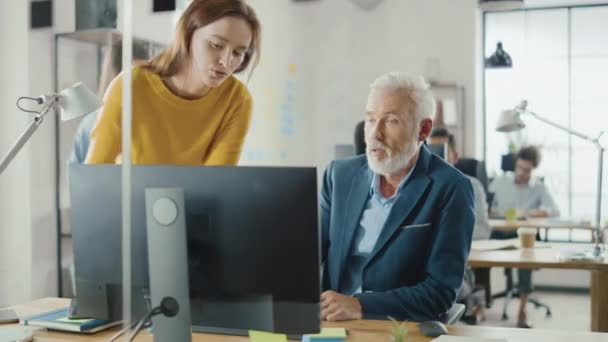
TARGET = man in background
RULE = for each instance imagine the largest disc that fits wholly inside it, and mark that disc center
(481, 231)
(529, 198)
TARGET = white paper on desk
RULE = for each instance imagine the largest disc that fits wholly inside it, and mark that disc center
(447, 338)
(494, 245)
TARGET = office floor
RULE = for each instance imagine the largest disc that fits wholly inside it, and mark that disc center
(570, 311)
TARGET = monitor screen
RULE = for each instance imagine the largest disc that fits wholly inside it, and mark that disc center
(440, 150)
(253, 244)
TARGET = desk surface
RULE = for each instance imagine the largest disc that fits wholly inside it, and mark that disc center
(538, 223)
(359, 331)
(536, 258)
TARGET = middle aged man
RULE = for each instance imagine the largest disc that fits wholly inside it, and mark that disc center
(397, 221)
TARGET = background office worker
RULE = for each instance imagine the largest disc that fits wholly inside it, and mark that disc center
(188, 108)
(397, 221)
(111, 67)
(481, 230)
(530, 198)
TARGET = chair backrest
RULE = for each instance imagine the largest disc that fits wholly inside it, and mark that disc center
(507, 162)
(474, 168)
(360, 138)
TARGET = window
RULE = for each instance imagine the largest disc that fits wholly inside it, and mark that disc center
(560, 66)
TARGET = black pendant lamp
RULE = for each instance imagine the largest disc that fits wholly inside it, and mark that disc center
(499, 59)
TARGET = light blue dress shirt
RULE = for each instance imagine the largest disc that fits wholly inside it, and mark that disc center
(82, 139)
(372, 221)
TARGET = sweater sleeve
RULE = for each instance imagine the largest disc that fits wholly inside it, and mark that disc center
(228, 141)
(106, 136)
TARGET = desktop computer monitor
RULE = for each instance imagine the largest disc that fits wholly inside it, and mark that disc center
(253, 244)
(441, 150)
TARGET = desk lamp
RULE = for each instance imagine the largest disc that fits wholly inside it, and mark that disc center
(73, 102)
(510, 120)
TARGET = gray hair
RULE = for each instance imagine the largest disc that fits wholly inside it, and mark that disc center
(416, 87)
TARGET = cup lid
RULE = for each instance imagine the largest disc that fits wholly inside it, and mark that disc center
(526, 231)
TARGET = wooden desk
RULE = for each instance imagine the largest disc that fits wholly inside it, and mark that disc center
(549, 258)
(358, 331)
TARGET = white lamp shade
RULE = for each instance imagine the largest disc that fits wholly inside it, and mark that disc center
(509, 121)
(77, 101)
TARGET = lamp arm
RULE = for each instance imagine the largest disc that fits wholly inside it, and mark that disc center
(25, 136)
(556, 125)
(599, 232)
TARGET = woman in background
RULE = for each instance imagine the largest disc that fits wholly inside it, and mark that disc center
(188, 108)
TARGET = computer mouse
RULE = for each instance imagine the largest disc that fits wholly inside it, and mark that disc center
(432, 328)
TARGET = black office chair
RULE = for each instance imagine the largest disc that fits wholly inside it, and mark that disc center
(507, 162)
(510, 290)
(360, 138)
(474, 168)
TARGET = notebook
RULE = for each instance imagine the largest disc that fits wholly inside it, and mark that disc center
(58, 320)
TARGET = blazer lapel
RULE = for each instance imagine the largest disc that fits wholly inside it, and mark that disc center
(356, 200)
(406, 202)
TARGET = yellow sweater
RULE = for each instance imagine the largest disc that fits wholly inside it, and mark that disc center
(168, 129)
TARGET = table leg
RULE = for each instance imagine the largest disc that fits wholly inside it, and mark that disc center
(599, 301)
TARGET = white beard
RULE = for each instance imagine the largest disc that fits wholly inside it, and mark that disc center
(392, 163)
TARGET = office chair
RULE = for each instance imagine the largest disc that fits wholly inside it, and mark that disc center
(474, 168)
(507, 163)
(360, 138)
(510, 290)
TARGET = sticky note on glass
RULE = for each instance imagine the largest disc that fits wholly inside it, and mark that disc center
(261, 336)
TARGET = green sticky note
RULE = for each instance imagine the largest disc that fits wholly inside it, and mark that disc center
(330, 333)
(261, 336)
(75, 321)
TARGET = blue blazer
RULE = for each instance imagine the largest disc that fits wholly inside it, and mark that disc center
(415, 270)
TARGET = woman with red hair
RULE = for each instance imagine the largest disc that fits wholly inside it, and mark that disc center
(188, 108)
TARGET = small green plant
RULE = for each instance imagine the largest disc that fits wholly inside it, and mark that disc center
(399, 331)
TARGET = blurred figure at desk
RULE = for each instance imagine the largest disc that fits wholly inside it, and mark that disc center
(530, 198)
(481, 231)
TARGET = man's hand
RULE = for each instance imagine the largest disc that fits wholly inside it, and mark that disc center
(537, 213)
(338, 307)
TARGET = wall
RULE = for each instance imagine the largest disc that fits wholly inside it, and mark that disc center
(319, 57)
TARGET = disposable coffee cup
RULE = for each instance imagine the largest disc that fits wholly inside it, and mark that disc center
(527, 236)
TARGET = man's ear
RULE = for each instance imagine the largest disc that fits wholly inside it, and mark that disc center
(426, 126)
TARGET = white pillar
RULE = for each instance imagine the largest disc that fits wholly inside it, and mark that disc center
(15, 195)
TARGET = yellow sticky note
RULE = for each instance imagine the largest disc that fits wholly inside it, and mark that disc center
(330, 333)
(75, 321)
(261, 336)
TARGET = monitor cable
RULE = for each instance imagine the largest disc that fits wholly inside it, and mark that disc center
(168, 307)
